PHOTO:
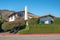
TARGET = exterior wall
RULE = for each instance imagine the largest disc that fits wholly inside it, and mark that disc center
(12, 18)
(16, 15)
(46, 20)
(29, 17)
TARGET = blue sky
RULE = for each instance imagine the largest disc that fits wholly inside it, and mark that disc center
(38, 7)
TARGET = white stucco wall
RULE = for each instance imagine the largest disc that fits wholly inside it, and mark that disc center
(46, 22)
(29, 17)
(12, 18)
(16, 15)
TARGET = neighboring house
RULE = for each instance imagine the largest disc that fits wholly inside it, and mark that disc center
(9, 16)
(47, 19)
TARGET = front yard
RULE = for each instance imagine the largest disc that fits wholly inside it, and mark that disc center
(42, 28)
(34, 27)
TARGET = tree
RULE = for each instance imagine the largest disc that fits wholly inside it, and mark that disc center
(14, 26)
(1, 22)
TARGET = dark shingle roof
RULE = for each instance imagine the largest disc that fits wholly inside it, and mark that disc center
(46, 16)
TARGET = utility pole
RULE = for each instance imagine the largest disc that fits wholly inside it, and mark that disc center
(26, 15)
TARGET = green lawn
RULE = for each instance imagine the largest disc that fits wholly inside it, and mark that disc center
(42, 28)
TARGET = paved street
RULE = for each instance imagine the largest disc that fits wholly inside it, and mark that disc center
(29, 37)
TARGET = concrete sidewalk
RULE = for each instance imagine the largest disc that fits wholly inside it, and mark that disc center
(9, 34)
(32, 37)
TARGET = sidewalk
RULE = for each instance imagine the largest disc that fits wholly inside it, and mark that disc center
(9, 34)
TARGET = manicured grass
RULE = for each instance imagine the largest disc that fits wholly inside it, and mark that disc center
(43, 28)
(24, 31)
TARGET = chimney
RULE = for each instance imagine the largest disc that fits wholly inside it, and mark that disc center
(26, 15)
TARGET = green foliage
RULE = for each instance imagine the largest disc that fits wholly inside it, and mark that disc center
(1, 21)
(7, 26)
(56, 20)
(34, 27)
(11, 25)
(24, 31)
(33, 21)
(42, 28)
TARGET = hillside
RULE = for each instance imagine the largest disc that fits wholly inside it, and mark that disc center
(4, 14)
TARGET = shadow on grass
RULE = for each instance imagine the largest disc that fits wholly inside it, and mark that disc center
(17, 28)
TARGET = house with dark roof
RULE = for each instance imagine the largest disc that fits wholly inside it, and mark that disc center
(9, 16)
(5, 13)
(12, 15)
(21, 14)
(47, 19)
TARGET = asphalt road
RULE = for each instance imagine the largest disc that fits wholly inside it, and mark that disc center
(29, 37)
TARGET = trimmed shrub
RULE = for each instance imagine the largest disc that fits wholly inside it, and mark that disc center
(33, 21)
(11, 25)
(1, 21)
(57, 21)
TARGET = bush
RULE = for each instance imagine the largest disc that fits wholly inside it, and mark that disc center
(57, 20)
(11, 25)
(1, 21)
(41, 28)
(33, 21)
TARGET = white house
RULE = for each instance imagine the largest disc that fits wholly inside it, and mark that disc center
(25, 14)
(47, 19)
(13, 16)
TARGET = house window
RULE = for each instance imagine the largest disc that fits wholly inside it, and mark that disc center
(11, 17)
(42, 22)
(21, 15)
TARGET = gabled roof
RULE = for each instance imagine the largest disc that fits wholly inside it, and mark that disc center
(23, 12)
(6, 14)
(46, 16)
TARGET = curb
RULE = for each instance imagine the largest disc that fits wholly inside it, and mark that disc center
(29, 35)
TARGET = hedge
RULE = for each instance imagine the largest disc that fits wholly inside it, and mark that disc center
(11, 25)
(33, 21)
